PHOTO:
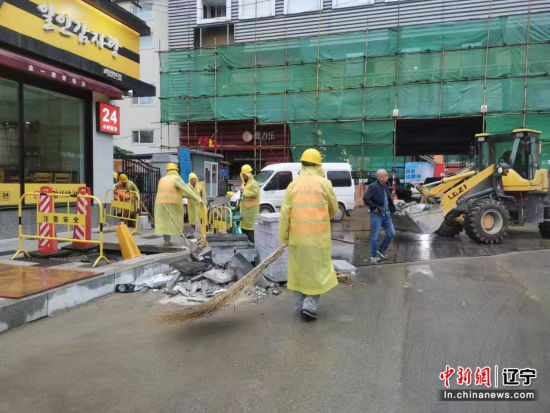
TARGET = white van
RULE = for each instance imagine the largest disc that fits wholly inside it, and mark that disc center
(274, 179)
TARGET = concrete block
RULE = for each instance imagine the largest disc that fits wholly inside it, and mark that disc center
(243, 265)
(343, 266)
(218, 276)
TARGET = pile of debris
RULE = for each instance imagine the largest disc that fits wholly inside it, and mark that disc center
(190, 283)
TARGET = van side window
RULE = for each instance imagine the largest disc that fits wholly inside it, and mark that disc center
(279, 181)
(339, 178)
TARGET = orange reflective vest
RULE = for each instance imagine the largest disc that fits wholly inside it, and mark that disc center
(167, 193)
(309, 214)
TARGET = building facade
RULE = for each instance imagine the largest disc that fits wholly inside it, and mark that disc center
(61, 63)
(142, 132)
(366, 82)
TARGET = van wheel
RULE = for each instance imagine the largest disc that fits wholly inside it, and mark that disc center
(340, 214)
(266, 209)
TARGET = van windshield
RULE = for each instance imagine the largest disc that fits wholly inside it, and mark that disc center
(263, 176)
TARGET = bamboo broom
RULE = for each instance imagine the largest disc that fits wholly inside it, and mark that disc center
(229, 296)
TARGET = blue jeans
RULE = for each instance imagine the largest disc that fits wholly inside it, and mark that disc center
(378, 221)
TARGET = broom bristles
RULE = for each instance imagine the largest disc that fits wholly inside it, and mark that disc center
(220, 301)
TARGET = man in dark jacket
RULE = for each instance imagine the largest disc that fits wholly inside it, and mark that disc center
(381, 206)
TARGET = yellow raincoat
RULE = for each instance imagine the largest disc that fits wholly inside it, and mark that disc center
(193, 209)
(250, 205)
(304, 225)
(168, 204)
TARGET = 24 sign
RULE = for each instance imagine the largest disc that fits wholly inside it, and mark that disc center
(108, 118)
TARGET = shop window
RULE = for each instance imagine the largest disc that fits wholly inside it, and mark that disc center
(350, 3)
(339, 178)
(146, 42)
(252, 9)
(143, 136)
(54, 137)
(143, 101)
(145, 12)
(9, 138)
(300, 6)
(209, 11)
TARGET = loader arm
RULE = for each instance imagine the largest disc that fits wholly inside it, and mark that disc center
(439, 188)
(454, 194)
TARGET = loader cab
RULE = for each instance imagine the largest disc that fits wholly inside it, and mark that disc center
(520, 150)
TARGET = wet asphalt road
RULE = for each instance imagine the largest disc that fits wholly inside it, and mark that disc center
(378, 345)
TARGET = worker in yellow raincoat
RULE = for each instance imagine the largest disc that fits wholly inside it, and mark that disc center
(250, 201)
(124, 190)
(193, 209)
(169, 205)
(307, 208)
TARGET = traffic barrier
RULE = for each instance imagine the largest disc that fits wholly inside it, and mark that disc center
(44, 216)
(220, 219)
(83, 207)
(46, 205)
(128, 246)
(122, 205)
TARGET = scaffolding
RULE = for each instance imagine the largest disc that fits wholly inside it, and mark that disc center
(339, 92)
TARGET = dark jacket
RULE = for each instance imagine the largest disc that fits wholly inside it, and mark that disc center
(374, 197)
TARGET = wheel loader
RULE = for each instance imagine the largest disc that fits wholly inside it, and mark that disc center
(506, 187)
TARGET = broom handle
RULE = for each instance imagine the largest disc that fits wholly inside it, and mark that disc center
(267, 260)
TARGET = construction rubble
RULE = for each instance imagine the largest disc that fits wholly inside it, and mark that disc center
(191, 283)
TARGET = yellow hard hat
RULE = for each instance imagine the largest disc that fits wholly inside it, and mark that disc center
(170, 166)
(246, 169)
(122, 178)
(312, 156)
(193, 175)
(115, 175)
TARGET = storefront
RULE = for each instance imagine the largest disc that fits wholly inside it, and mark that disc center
(239, 142)
(58, 61)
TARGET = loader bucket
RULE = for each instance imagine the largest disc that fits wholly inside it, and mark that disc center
(426, 221)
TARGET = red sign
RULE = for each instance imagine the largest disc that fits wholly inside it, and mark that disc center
(108, 118)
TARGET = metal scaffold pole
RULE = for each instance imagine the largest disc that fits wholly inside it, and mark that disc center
(526, 67)
(484, 112)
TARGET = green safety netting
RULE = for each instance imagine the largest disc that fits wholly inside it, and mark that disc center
(441, 69)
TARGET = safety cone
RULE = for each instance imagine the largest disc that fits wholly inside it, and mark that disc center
(45, 228)
(127, 243)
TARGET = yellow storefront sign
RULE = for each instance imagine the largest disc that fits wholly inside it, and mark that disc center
(67, 189)
(9, 194)
(60, 218)
(79, 28)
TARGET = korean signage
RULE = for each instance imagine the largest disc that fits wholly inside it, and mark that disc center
(108, 118)
(77, 27)
(63, 22)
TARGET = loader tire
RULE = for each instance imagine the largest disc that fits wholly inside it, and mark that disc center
(450, 227)
(487, 221)
(544, 229)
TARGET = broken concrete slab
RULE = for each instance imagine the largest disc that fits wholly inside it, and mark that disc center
(243, 265)
(219, 276)
(343, 266)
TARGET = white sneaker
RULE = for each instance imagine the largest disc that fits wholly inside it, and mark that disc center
(382, 255)
(375, 260)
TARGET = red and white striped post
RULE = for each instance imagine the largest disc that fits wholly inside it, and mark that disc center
(83, 207)
(46, 229)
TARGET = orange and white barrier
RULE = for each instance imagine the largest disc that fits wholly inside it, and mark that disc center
(45, 228)
(83, 207)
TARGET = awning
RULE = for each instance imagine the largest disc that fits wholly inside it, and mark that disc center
(37, 68)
